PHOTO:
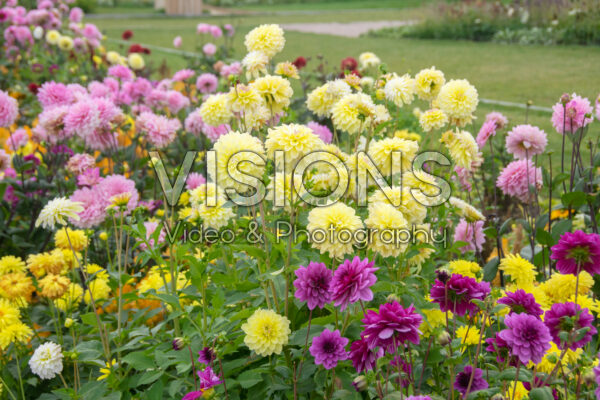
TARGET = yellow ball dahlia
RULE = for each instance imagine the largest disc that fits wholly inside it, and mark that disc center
(266, 332)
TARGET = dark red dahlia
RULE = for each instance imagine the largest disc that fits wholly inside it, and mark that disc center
(349, 64)
(299, 62)
(126, 35)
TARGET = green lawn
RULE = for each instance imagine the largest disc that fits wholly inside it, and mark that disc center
(502, 72)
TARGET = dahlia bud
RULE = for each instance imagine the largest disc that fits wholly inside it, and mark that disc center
(565, 98)
(443, 276)
(497, 396)
(69, 322)
(393, 297)
(360, 383)
(529, 102)
(179, 343)
(444, 338)
(380, 94)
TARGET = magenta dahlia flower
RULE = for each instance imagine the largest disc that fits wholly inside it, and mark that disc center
(576, 252)
(526, 336)
(328, 348)
(498, 346)
(456, 294)
(196, 394)
(462, 380)
(206, 356)
(313, 285)
(569, 317)
(363, 358)
(392, 327)
(352, 282)
(574, 114)
(520, 301)
(526, 141)
(517, 177)
(208, 378)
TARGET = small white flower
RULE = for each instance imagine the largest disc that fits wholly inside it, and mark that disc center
(46, 361)
(57, 211)
(38, 32)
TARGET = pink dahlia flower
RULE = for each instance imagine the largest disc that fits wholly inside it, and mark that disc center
(313, 285)
(526, 141)
(352, 282)
(576, 252)
(9, 109)
(471, 233)
(392, 327)
(328, 348)
(574, 114)
(321, 131)
(114, 185)
(488, 129)
(517, 177)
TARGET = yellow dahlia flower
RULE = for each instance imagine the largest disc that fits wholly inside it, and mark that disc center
(100, 290)
(216, 216)
(255, 64)
(267, 39)
(136, 61)
(65, 43)
(79, 239)
(294, 140)
(276, 91)
(465, 210)
(215, 110)
(521, 271)
(433, 119)
(11, 264)
(287, 69)
(428, 83)
(325, 225)
(368, 60)
(229, 145)
(559, 288)
(469, 335)
(353, 113)
(52, 36)
(458, 99)
(465, 268)
(57, 211)
(266, 332)
(386, 221)
(322, 99)
(16, 286)
(244, 99)
(9, 314)
(380, 152)
(15, 333)
(53, 286)
(434, 318)
(46, 263)
(463, 149)
(199, 195)
(71, 298)
(400, 197)
(400, 90)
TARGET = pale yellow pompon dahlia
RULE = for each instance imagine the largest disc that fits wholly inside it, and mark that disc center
(215, 110)
(353, 113)
(11, 264)
(244, 99)
(433, 119)
(216, 216)
(113, 57)
(287, 69)
(257, 118)
(470, 213)
(78, 238)
(400, 90)
(52, 36)
(267, 39)
(428, 83)
(322, 99)
(199, 195)
(403, 200)
(136, 61)
(386, 222)
(428, 191)
(325, 225)
(255, 64)
(380, 152)
(463, 149)
(294, 140)
(520, 271)
(57, 211)
(53, 286)
(458, 99)
(228, 146)
(65, 43)
(368, 60)
(266, 332)
(276, 91)
(465, 268)
(434, 318)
